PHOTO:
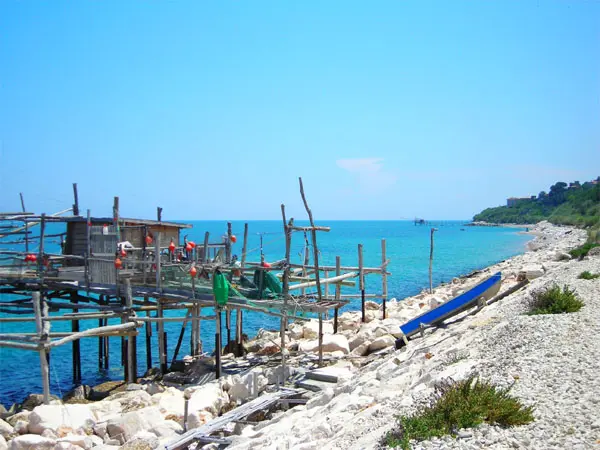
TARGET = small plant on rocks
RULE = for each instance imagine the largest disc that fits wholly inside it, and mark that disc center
(456, 405)
(588, 275)
(554, 300)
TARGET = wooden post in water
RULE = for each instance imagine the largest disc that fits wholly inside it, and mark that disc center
(76, 343)
(228, 244)
(42, 329)
(88, 250)
(205, 248)
(162, 352)
(384, 292)
(131, 341)
(157, 259)
(338, 292)
(320, 339)
(148, 326)
(361, 282)
(238, 332)
(314, 241)
(433, 230)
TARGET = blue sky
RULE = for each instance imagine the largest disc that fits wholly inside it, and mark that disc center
(212, 110)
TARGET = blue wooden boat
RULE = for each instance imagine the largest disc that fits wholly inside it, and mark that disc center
(486, 290)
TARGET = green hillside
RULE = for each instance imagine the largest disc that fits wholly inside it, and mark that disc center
(575, 204)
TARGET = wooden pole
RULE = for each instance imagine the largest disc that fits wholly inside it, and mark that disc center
(75, 200)
(305, 261)
(22, 201)
(131, 341)
(162, 352)
(38, 308)
(76, 346)
(40, 262)
(314, 239)
(361, 281)
(384, 286)
(338, 293)
(157, 259)
(181, 334)
(88, 250)
(228, 244)
(243, 262)
(205, 248)
(228, 325)
(159, 213)
(286, 288)
(238, 332)
(218, 342)
(320, 339)
(431, 262)
(148, 339)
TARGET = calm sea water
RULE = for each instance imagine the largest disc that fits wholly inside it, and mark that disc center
(458, 250)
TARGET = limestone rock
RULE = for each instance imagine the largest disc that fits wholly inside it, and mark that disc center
(32, 442)
(54, 417)
(3, 444)
(331, 343)
(21, 427)
(6, 429)
(33, 400)
(196, 419)
(132, 400)
(105, 410)
(371, 305)
(362, 349)
(311, 329)
(79, 393)
(23, 415)
(595, 251)
(82, 441)
(124, 428)
(154, 388)
(359, 339)
(167, 428)
(381, 343)
(296, 330)
(532, 271)
(143, 440)
(208, 397)
(171, 403)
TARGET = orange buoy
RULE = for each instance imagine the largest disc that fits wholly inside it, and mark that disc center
(233, 238)
(118, 263)
(172, 247)
(193, 271)
(188, 247)
(148, 240)
(265, 264)
(123, 253)
(192, 243)
(32, 258)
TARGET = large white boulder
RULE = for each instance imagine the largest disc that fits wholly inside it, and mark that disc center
(208, 397)
(141, 440)
(381, 343)
(296, 330)
(82, 441)
(311, 329)
(532, 271)
(32, 442)
(196, 419)
(359, 339)
(53, 417)
(170, 402)
(124, 428)
(3, 444)
(349, 321)
(6, 429)
(105, 409)
(331, 343)
(132, 400)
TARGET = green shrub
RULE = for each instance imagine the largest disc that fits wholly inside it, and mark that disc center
(553, 300)
(582, 250)
(588, 275)
(455, 405)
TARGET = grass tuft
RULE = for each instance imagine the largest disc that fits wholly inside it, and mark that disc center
(588, 275)
(582, 250)
(456, 405)
(553, 300)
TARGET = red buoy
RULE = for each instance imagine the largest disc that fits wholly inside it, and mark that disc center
(32, 258)
(233, 238)
(265, 264)
(172, 247)
(148, 240)
(118, 263)
(123, 253)
(193, 271)
(188, 247)
(192, 243)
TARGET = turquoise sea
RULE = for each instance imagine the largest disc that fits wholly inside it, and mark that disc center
(458, 251)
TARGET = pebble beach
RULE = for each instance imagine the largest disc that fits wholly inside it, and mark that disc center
(551, 362)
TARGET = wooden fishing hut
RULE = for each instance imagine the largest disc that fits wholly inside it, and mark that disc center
(134, 270)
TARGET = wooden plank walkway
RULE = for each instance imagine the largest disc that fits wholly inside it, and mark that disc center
(236, 414)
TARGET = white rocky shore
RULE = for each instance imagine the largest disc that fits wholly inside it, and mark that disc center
(551, 361)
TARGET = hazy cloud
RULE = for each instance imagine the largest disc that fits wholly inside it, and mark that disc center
(369, 172)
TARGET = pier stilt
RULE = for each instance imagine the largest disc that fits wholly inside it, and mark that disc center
(76, 344)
